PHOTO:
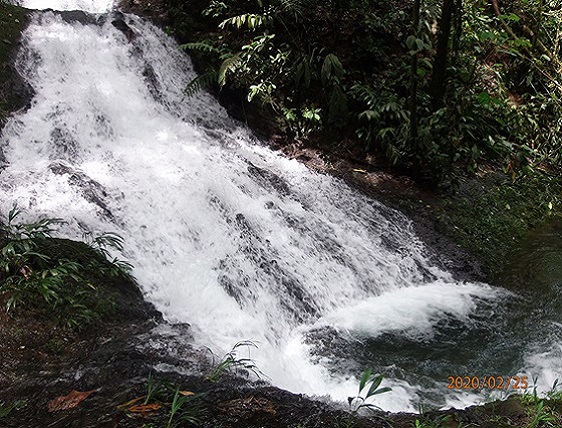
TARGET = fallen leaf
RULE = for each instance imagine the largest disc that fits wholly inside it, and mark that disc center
(69, 401)
(145, 408)
(131, 402)
(362, 171)
(186, 393)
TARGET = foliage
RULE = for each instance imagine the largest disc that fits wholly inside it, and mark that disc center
(258, 48)
(489, 216)
(369, 386)
(102, 245)
(6, 409)
(437, 422)
(165, 403)
(543, 411)
(340, 70)
(12, 22)
(231, 362)
(60, 286)
(373, 381)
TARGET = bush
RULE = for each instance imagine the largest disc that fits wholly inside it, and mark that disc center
(30, 277)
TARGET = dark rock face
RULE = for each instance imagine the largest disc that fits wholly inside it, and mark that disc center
(15, 93)
(119, 23)
(82, 17)
(91, 189)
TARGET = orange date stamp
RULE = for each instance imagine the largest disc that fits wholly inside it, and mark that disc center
(488, 382)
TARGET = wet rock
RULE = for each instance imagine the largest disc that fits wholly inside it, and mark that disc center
(269, 180)
(121, 25)
(72, 16)
(93, 191)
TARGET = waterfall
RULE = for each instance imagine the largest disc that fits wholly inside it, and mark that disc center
(223, 233)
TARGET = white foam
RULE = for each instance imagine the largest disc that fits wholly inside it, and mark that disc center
(93, 6)
(544, 368)
(412, 311)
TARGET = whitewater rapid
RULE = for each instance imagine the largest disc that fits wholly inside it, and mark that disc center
(223, 233)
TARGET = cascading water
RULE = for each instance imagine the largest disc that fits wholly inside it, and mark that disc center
(234, 239)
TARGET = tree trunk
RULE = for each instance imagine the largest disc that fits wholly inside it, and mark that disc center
(458, 27)
(414, 76)
(437, 86)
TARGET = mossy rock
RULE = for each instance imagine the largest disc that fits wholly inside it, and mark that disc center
(119, 295)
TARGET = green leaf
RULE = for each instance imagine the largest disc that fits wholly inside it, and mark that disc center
(203, 46)
(332, 69)
(411, 42)
(249, 20)
(364, 378)
(374, 385)
(381, 390)
(203, 81)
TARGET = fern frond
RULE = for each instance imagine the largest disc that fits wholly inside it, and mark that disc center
(370, 115)
(296, 7)
(201, 46)
(365, 94)
(203, 81)
(229, 64)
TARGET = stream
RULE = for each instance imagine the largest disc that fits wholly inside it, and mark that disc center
(244, 244)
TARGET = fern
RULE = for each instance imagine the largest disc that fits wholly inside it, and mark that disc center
(204, 81)
(295, 7)
(229, 64)
(204, 46)
(215, 9)
(364, 93)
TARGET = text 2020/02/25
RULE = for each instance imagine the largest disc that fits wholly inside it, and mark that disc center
(488, 382)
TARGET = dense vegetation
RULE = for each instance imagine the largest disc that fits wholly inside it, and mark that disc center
(56, 277)
(440, 90)
(437, 87)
